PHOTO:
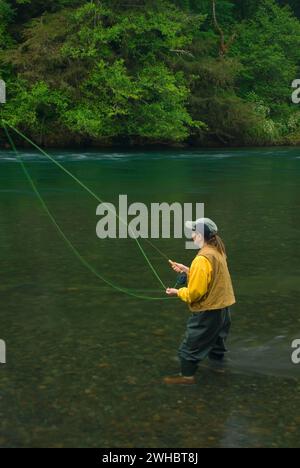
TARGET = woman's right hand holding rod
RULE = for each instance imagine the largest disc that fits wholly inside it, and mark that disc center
(178, 267)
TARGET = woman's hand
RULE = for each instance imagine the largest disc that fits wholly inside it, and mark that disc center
(172, 292)
(178, 267)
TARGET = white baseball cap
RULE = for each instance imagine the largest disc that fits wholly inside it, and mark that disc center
(205, 226)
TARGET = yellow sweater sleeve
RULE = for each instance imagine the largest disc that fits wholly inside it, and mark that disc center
(198, 282)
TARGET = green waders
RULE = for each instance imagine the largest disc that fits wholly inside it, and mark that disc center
(205, 336)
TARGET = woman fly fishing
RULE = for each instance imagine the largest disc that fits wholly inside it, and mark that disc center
(209, 295)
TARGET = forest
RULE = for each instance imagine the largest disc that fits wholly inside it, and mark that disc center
(144, 72)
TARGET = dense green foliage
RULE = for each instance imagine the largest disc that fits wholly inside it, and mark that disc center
(145, 71)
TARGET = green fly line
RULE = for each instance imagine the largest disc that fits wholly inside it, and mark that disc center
(68, 242)
(93, 195)
(99, 200)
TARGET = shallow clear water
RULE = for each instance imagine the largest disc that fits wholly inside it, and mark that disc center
(85, 363)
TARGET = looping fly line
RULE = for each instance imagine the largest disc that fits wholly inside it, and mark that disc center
(127, 291)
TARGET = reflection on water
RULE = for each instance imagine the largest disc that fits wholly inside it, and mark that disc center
(85, 363)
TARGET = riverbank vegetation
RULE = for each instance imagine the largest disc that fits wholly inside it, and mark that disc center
(106, 72)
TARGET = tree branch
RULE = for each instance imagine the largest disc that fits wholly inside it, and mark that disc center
(224, 46)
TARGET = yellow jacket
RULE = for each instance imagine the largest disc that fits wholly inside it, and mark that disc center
(209, 282)
(199, 279)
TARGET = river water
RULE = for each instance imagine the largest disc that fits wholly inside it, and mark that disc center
(85, 363)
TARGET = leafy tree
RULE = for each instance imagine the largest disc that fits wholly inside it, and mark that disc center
(6, 15)
(151, 70)
(109, 71)
(293, 4)
(268, 48)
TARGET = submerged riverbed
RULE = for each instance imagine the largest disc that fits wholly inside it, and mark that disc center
(85, 363)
